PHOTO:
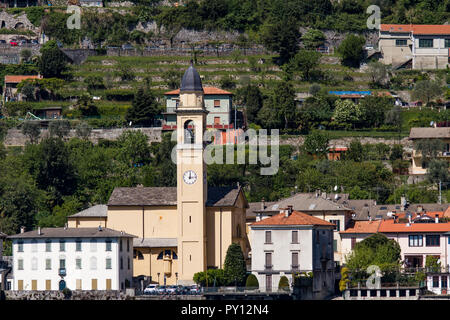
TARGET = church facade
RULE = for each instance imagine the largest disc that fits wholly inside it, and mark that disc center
(185, 229)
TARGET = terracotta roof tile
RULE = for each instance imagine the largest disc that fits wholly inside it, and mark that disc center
(417, 28)
(18, 79)
(206, 90)
(388, 226)
(296, 218)
(363, 227)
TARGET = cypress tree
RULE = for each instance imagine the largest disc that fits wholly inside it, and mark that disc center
(234, 267)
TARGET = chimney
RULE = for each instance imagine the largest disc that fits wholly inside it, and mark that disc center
(290, 209)
(395, 218)
(324, 195)
(409, 218)
(22, 229)
(100, 228)
(317, 193)
(436, 218)
(263, 204)
(370, 218)
(39, 231)
(65, 226)
(419, 209)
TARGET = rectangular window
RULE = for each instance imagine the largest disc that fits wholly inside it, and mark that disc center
(128, 263)
(33, 284)
(108, 245)
(337, 223)
(62, 245)
(94, 284)
(447, 43)
(48, 285)
(62, 263)
(268, 260)
(435, 281)
(444, 282)
(121, 263)
(268, 237)
(217, 103)
(294, 236)
(294, 260)
(20, 264)
(108, 284)
(415, 240)
(78, 245)
(108, 263)
(425, 43)
(335, 245)
(401, 42)
(78, 284)
(48, 264)
(20, 246)
(20, 284)
(120, 245)
(48, 245)
(78, 263)
(433, 240)
(128, 245)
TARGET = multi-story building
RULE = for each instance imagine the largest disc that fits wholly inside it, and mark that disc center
(293, 242)
(423, 46)
(76, 258)
(418, 167)
(218, 103)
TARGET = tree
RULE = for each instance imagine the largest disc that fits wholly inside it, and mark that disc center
(83, 131)
(437, 171)
(172, 78)
(53, 62)
(86, 106)
(375, 250)
(227, 82)
(54, 170)
(344, 279)
(313, 39)
(281, 109)
(378, 73)
(94, 82)
(351, 50)
(427, 90)
(396, 152)
(306, 61)
(59, 128)
(347, 113)
(210, 278)
(394, 117)
(281, 37)
(432, 264)
(429, 149)
(25, 55)
(32, 130)
(373, 110)
(355, 152)
(252, 282)
(134, 148)
(283, 284)
(234, 266)
(251, 97)
(144, 108)
(316, 143)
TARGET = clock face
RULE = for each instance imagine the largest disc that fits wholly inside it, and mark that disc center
(190, 177)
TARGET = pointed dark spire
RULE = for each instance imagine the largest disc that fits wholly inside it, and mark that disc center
(191, 80)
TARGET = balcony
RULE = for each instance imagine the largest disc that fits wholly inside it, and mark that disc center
(268, 267)
(62, 272)
(295, 267)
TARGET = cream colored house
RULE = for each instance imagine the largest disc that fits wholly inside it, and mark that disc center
(416, 134)
(185, 229)
(424, 46)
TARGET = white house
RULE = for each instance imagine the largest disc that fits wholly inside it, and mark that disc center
(76, 258)
(293, 242)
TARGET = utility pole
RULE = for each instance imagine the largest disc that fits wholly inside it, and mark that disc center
(440, 192)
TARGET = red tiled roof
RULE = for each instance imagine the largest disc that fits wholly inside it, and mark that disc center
(417, 28)
(206, 90)
(388, 226)
(18, 79)
(363, 227)
(296, 218)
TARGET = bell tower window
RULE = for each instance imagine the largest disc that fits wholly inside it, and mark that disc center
(189, 132)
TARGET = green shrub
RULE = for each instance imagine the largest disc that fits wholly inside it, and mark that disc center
(283, 284)
(210, 278)
(252, 282)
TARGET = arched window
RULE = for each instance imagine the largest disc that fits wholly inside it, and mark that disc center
(93, 263)
(189, 132)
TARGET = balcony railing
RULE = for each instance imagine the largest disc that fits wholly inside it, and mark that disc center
(295, 267)
(268, 267)
(62, 272)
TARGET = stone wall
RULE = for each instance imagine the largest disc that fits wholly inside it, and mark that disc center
(58, 295)
(16, 138)
(10, 21)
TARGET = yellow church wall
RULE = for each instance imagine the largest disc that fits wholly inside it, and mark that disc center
(126, 218)
(86, 222)
(149, 265)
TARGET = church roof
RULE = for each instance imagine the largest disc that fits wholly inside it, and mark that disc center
(191, 80)
(167, 196)
(96, 211)
(155, 242)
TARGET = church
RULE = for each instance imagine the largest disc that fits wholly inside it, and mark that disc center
(184, 229)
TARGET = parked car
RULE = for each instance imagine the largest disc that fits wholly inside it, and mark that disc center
(194, 289)
(150, 289)
(22, 42)
(34, 41)
(13, 43)
(127, 46)
(171, 289)
(161, 289)
(2, 41)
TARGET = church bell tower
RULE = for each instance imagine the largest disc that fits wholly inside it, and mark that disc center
(191, 177)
